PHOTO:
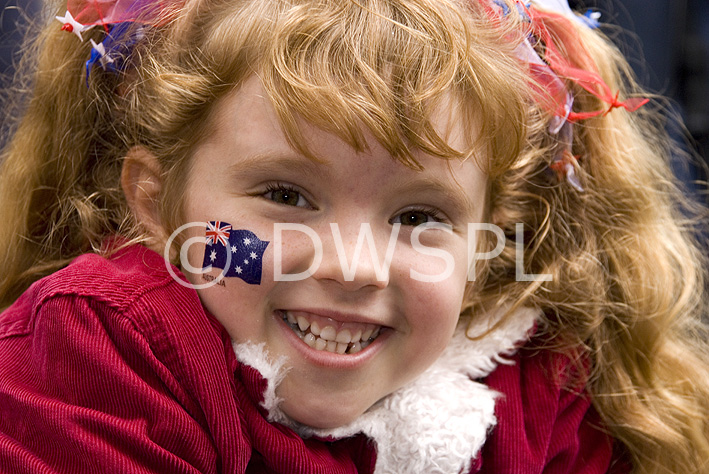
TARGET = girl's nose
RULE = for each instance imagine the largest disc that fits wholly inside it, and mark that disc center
(356, 256)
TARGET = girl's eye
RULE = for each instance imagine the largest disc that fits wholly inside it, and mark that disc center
(285, 195)
(415, 217)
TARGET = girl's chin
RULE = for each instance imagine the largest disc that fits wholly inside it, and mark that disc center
(321, 418)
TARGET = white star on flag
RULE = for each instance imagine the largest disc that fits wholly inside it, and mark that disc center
(213, 255)
(253, 256)
(247, 241)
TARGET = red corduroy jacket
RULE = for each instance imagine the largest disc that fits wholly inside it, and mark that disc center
(111, 366)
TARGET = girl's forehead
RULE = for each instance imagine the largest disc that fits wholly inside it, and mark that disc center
(246, 122)
(247, 114)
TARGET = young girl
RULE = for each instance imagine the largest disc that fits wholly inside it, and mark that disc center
(331, 236)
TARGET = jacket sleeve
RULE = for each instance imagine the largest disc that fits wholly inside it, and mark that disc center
(546, 421)
(81, 391)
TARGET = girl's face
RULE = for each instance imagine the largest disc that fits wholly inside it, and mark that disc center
(391, 325)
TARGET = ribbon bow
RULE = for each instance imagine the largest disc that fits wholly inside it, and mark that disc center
(118, 18)
(550, 71)
(88, 13)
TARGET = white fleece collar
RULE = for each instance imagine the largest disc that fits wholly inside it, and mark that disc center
(444, 413)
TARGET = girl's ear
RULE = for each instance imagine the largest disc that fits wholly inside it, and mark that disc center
(141, 182)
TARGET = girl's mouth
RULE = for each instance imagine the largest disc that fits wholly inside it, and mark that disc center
(325, 334)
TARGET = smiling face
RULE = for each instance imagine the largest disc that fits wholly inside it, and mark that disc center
(390, 327)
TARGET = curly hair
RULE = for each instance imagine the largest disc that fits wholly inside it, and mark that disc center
(628, 279)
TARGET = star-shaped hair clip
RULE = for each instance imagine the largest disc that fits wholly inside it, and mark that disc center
(124, 23)
(99, 53)
(114, 51)
(71, 25)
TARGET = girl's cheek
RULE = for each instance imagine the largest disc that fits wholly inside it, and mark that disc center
(436, 279)
(291, 254)
(434, 265)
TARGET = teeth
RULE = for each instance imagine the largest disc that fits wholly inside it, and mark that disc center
(328, 333)
(303, 323)
(344, 336)
(346, 341)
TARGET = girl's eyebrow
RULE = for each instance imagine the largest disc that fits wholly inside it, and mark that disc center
(454, 194)
(269, 162)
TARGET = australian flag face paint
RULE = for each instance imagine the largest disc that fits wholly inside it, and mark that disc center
(238, 252)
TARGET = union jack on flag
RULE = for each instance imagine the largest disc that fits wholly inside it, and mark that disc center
(217, 232)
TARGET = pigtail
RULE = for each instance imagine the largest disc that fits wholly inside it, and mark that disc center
(49, 209)
(627, 277)
(651, 382)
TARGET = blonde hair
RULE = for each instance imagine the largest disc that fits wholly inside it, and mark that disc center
(627, 278)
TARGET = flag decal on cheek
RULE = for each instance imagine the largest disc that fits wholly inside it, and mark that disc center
(238, 252)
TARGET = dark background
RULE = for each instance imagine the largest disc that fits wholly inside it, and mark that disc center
(12, 26)
(666, 41)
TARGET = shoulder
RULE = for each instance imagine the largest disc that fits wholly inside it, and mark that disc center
(106, 361)
(118, 280)
(130, 299)
(546, 419)
(134, 282)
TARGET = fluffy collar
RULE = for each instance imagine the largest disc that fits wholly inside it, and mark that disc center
(445, 413)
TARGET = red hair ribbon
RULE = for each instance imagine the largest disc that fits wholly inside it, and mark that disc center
(107, 12)
(563, 59)
(575, 64)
